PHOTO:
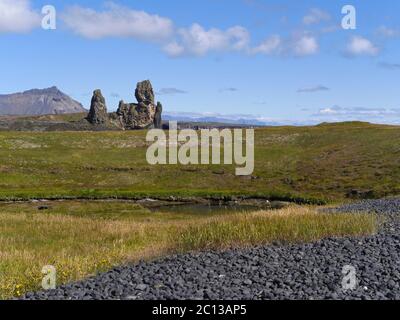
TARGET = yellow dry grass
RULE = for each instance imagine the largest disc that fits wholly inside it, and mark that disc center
(79, 246)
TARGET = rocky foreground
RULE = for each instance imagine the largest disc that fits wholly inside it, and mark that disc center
(304, 271)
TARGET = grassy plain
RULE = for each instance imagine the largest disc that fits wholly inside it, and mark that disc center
(326, 163)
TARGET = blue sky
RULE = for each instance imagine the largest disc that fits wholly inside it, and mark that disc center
(274, 60)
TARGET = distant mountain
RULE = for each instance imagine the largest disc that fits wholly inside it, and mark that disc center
(39, 102)
(191, 117)
(238, 119)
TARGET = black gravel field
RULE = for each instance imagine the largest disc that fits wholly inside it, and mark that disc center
(303, 271)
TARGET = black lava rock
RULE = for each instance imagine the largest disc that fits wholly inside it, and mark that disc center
(302, 271)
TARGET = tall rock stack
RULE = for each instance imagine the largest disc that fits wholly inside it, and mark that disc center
(144, 114)
(144, 93)
(98, 109)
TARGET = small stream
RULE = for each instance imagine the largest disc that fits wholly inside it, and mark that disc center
(208, 208)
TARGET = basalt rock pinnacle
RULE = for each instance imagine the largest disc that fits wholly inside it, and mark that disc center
(144, 114)
(98, 109)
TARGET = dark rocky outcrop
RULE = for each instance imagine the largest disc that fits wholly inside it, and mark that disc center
(98, 109)
(144, 93)
(144, 114)
(141, 115)
(39, 102)
(136, 116)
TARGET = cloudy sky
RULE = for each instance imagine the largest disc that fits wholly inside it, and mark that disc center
(274, 60)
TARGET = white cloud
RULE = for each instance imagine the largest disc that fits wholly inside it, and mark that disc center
(362, 46)
(240, 37)
(269, 46)
(327, 111)
(389, 66)
(174, 49)
(388, 32)
(316, 16)
(298, 45)
(230, 89)
(117, 21)
(305, 45)
(17, 16)
(313, 89)
(374, 115)
(361, 113)
(171, 91)
(198, 41)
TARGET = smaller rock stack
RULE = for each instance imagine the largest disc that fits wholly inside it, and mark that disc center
(98, 109)
(157, 116)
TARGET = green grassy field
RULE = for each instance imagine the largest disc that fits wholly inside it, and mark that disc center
(322, 163)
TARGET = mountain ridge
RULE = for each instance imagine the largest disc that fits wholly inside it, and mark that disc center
(39, 102)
